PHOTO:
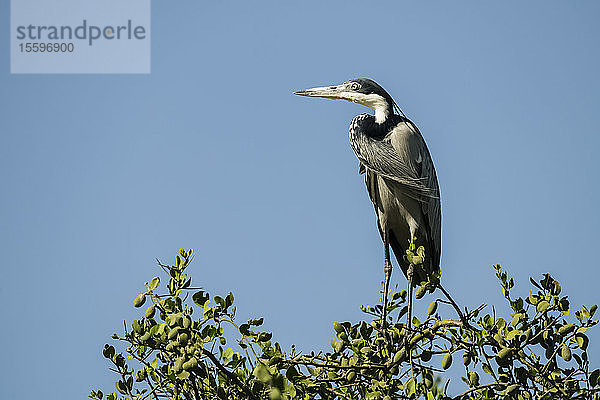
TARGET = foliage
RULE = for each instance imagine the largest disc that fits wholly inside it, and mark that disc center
(539, 352)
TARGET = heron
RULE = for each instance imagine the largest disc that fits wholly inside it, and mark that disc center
(400, 178)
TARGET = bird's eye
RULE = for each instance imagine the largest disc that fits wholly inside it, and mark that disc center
(354, 86)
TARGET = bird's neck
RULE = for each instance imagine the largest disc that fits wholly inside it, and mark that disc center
(382, 113)
(370, 127)
(382, 105)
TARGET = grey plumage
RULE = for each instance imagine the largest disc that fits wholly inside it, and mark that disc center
(399, 174)
(402, 184)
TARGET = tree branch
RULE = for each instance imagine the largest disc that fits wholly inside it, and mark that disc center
(229, 374)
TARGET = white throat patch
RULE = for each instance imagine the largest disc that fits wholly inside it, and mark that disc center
(374, 101)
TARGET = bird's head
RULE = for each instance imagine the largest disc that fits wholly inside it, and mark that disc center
(362, 91)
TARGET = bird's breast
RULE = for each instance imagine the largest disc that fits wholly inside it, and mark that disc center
(396, 210)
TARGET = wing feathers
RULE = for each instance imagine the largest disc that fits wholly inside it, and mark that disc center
(402, 157)
(381, 157)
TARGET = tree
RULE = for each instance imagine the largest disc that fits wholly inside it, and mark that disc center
(178, 349)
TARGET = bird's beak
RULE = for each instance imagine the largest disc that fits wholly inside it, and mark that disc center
(328, 92)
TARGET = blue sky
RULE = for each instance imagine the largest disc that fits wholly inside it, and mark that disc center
(101, 174)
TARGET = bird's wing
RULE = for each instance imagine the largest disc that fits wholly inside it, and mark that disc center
(403, 158)
(361, 169)
(432, 208)
(412, 147)
(381, 157)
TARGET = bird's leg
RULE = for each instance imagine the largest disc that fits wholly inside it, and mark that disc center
(410, 272)
(387, 269)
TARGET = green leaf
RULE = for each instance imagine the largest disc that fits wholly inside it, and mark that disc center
(526, 335)
(245, 329)
(427, 379)
(120, 385)
(512, 334)
(154, 283)
(173, 333)
(410, 387)
(504, 353)
(256, 321)
(351, 376)
(109, 351)
(594, 377)
(291, 372)
(517, 305)
(191, 363)
(582, 340)
(229, 300)
(432, 308)
(275, 394)
(338, 346)
(420, 292)
(265, 336)
(512, 388)
(399, 356)
(466, 358)
(486, 368)
(566, 329)
(220, 301)
(532, 298)
(200, 298)
(542, 306)
(535, 283)
(139, 300)
(473, 378)
(585, 312)
(228, 353)
(338, 327)
(155, 329)
(183, 375)
(426, 355)
(447, 361)
(565, 353)
(261, 372)
(150, 311)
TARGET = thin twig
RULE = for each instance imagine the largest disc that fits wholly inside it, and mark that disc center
(229, 374)
(451, 300)
(337, 394)
(460, 396)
